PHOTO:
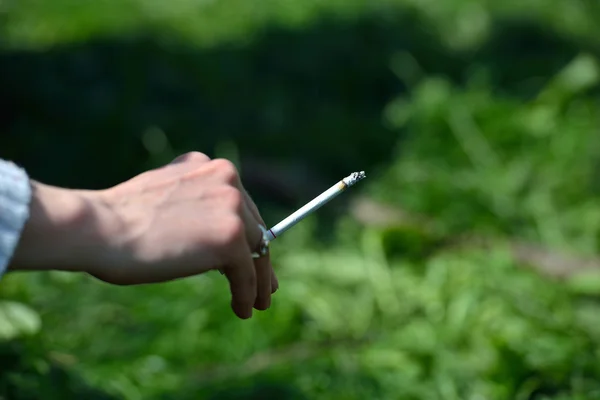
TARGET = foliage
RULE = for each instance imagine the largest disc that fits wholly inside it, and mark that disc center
(479, 115)
(500, 162)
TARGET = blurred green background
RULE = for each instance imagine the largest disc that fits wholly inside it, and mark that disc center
(464, 267)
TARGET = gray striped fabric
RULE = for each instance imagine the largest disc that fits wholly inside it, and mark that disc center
(15, 196)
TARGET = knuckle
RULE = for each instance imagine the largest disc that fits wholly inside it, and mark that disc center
(226, 169)
(192, 156)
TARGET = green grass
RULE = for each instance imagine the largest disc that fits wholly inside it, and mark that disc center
(380, 312)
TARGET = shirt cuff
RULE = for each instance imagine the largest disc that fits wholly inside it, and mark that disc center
(15, 197)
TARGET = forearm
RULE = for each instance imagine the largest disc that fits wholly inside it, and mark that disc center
(64, 231)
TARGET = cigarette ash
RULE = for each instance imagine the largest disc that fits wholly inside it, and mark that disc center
(354, 178)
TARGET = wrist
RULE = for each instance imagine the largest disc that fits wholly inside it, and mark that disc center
(66, 230)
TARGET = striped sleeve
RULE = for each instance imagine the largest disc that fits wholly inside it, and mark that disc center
(15, 196)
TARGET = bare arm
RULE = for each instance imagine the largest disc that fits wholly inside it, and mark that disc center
(186, 218)
(65, 231)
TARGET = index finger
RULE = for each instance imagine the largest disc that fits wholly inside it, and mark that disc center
(242, 281)
(263, 264)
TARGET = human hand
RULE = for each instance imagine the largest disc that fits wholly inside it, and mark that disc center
(186, 218)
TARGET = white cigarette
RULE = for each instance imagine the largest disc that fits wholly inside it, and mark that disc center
(315, 204)
(311, 207)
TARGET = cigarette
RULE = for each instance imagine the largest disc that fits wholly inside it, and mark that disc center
(311, 207)
(315, 204)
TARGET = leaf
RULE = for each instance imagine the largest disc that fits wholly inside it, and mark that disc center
(17, 319)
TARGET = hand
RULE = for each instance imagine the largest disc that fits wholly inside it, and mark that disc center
(183, 219)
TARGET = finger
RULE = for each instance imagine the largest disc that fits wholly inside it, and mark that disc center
(251, 217)
(242, 282)
(263, 282)
(265, 261)
(224, 171)
(252, 206)
(253, 232)
(262, 264)
(274, 282)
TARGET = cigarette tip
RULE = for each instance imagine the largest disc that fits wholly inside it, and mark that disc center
(355, 177)
(359, 175)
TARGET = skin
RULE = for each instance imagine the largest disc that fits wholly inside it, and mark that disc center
(186, 218)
